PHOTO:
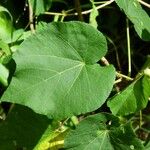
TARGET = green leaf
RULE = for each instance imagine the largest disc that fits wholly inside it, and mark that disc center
(22, 129)
(147, 63)
(146, 87)
(5, 25)
(4, 73)
(5, 52)
(138, 17)
(130, 100)
(5, 48)
(147, 147)
(102, 132)
(52, 140)
(41, 25)
(40, 6)
(57, 74)
(93, 15)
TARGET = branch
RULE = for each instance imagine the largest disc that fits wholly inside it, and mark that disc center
(31, 17)
(124, 76)
(98, 7)
(128, 47)
(144, 3)
(83, 12)
(105, 61)
(78, 9)
(54, 14)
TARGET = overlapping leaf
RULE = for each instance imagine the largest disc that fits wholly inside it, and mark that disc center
(3, 74)
(57, 74)
(93, 15)
(22, 129)
(135, 96)
(102, 132)
(132, 99)
(146, 86)
(52, 140)
(138, 17)
(5, 24)
(40, 6)
(147, 147)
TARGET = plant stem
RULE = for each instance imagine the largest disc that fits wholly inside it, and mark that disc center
(118, 81)
(75, 120)
(116, 51)
(78, 9)
(129, 48)
(124, 76)
(140, 123)
(83, 12)
(99, 7)
(63, 17)
(54, 14)
(144, 3)
(100, 2)
(2, 113)
(105, 61)
(31, 17)
(56, 143)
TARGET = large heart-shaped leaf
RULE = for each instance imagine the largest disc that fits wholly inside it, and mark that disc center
(57, 74)
(102, 132)
(138, 17)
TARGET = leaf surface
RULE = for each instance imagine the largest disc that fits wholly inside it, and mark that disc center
(146, 86)
(5, 25)
(131, 99)
(3, 74)
(57, 74)
(93, 15)
(22, 129)
(102, 132)
(52, 140)
(138, 17)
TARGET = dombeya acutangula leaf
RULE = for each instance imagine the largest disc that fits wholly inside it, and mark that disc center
(56, 71)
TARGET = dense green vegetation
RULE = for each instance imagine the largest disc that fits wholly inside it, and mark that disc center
(74, 75)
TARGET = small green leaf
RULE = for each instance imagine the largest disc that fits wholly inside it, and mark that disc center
(102, 132)
(4, 73)
(6, 27)
(5, 52)
(138, 17)
(93, 15)
(57, 74)
(130, 100)
(22, 129)
(40, 6)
